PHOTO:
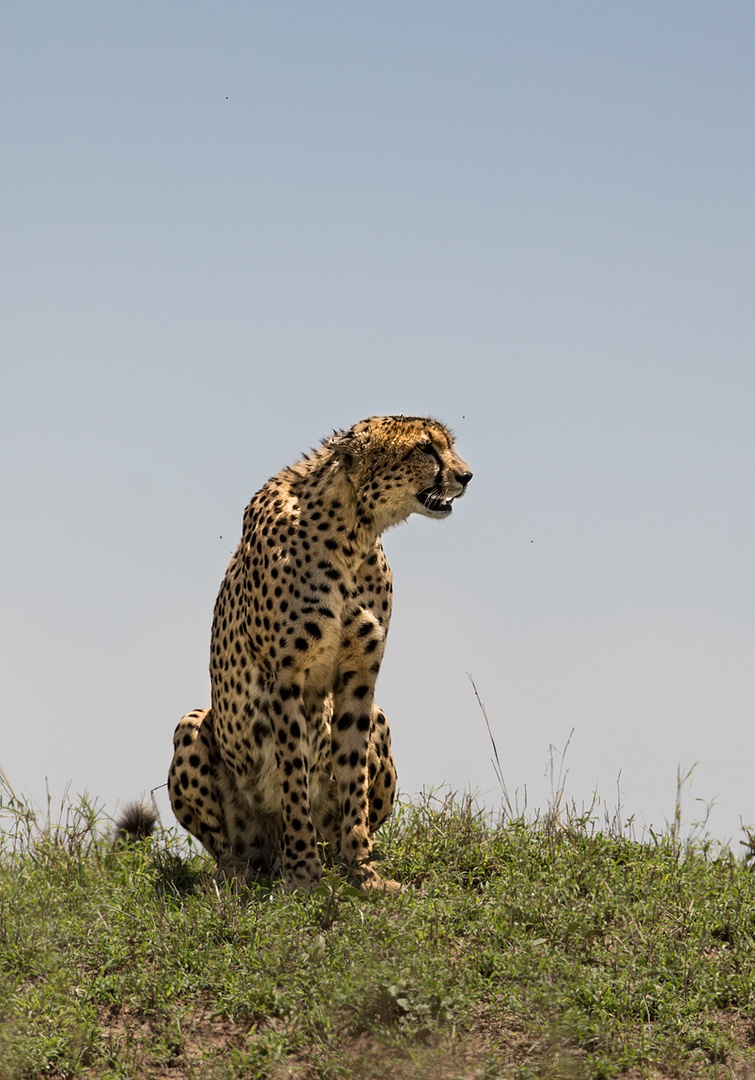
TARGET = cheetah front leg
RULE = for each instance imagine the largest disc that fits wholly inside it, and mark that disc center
(301, 863)
(351, 730)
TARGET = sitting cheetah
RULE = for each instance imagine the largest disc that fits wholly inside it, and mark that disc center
(294, 750)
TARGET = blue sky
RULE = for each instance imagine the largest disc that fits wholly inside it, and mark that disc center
(228, 229)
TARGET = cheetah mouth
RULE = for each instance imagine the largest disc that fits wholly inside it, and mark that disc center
(434, 505)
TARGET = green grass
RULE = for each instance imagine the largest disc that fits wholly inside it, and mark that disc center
(545, 949)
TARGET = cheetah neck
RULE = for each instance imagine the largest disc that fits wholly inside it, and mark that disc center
(331, 504)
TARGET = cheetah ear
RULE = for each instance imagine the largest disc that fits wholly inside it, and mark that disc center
(343, 446)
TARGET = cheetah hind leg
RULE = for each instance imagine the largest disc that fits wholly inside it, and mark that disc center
(381, 796)
(381, 792)
(206, 801)
(381, 771)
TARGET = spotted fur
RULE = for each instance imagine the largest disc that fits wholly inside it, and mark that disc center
(294, 751)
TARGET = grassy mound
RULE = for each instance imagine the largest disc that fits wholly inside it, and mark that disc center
(544, 949)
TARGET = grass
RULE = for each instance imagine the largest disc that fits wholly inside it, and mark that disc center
(517, 949)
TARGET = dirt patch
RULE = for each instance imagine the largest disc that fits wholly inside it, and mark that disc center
(185, 1044)
(158, 1045)
(371, 1059)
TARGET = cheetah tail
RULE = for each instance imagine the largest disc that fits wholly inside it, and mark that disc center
(135, 822)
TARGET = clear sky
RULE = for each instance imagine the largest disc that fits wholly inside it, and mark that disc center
(226, 229)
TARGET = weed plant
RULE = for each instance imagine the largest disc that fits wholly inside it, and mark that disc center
(544, 948)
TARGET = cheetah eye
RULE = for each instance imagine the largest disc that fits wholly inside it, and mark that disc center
(430, 451)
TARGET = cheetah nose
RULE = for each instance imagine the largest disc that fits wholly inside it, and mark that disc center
(463, 478)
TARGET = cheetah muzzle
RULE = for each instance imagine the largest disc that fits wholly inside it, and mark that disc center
(294, 752)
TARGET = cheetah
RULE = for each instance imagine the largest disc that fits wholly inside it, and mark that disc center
(294, 751)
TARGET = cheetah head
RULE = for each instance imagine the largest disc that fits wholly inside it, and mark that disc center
(403, 465)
